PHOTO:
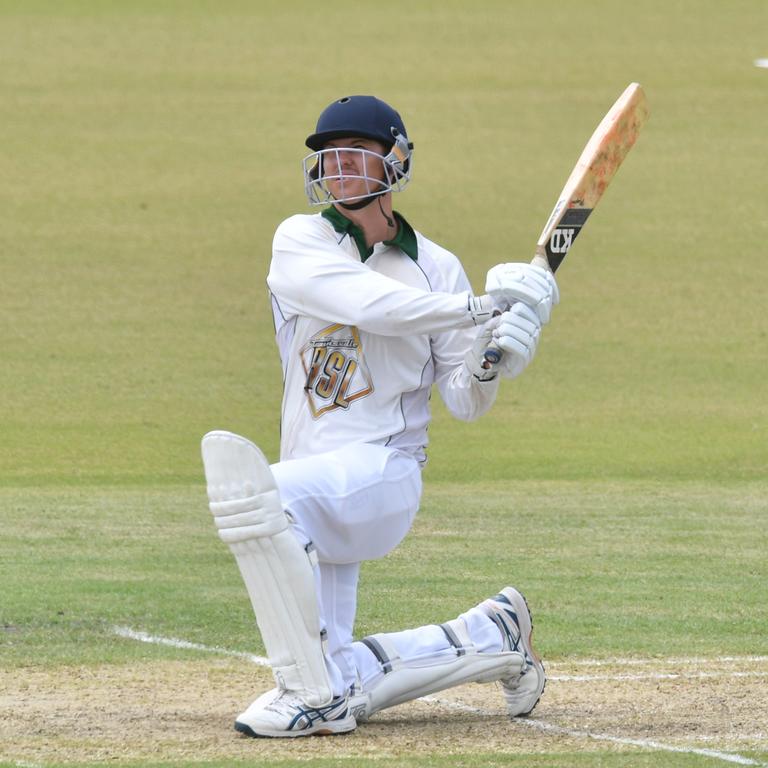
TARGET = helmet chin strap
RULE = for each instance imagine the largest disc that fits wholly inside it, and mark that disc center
(390, 222)
(367, 201)
(360, 203)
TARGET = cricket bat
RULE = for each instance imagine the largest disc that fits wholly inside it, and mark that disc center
(597, 165)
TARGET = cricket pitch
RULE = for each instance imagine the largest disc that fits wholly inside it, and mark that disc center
(172, 711)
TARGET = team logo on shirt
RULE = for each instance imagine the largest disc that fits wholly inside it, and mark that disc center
(336, 371)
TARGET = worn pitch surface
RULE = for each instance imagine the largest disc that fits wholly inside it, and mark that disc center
(183, 710)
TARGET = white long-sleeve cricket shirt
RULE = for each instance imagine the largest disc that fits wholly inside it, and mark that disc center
(362, 339)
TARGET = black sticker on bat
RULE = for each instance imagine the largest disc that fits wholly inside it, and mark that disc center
(561, 239)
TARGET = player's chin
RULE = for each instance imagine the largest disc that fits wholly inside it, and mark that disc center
(349, 195)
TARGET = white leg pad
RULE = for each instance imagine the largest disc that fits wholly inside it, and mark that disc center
(407, 680)
(276, 569)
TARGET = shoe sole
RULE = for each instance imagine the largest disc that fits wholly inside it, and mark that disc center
(525, 622)
(337, 729)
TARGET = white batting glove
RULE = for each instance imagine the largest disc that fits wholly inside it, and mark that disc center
(482, 308)
(516, 334)
(475, 357)
(532, 285)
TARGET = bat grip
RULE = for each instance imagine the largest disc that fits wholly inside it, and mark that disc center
(493, 353)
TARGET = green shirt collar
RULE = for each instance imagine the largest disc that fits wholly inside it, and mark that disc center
(405, 239)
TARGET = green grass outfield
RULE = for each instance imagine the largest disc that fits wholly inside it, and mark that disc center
(148, 150)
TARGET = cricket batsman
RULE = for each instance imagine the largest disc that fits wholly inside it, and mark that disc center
(369, 316)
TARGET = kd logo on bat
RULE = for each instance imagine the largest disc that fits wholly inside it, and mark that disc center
(562, 239)
(565, 233)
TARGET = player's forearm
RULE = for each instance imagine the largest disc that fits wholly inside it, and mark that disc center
(369, 301)
(465, 396)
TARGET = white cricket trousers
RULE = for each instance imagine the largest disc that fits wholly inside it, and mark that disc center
(358, 503)
(355, 503)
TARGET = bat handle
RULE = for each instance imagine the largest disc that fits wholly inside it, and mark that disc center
(493, 353)
(541, 260)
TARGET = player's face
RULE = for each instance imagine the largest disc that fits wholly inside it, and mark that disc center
(353, 167)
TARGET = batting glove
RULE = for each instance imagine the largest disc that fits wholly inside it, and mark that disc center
(481, 308)
(475, 357)
(532, 285)
(516, 334)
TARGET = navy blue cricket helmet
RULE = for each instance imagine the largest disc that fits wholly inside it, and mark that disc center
(364, 116)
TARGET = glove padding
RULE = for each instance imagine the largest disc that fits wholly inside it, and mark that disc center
(516, 333)
(532, 285)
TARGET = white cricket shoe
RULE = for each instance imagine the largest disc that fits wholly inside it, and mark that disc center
(509, 610)
(282, 714)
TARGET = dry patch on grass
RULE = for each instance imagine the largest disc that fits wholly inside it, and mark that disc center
(184, 710)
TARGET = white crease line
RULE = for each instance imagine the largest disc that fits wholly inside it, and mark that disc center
(727, 757)
(540, 725)
(144, 637)
(653, 676)
(644, 662)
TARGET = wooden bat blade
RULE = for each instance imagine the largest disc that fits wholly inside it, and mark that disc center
(596, 166)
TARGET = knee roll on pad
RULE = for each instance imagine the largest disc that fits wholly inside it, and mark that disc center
(276, 569)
